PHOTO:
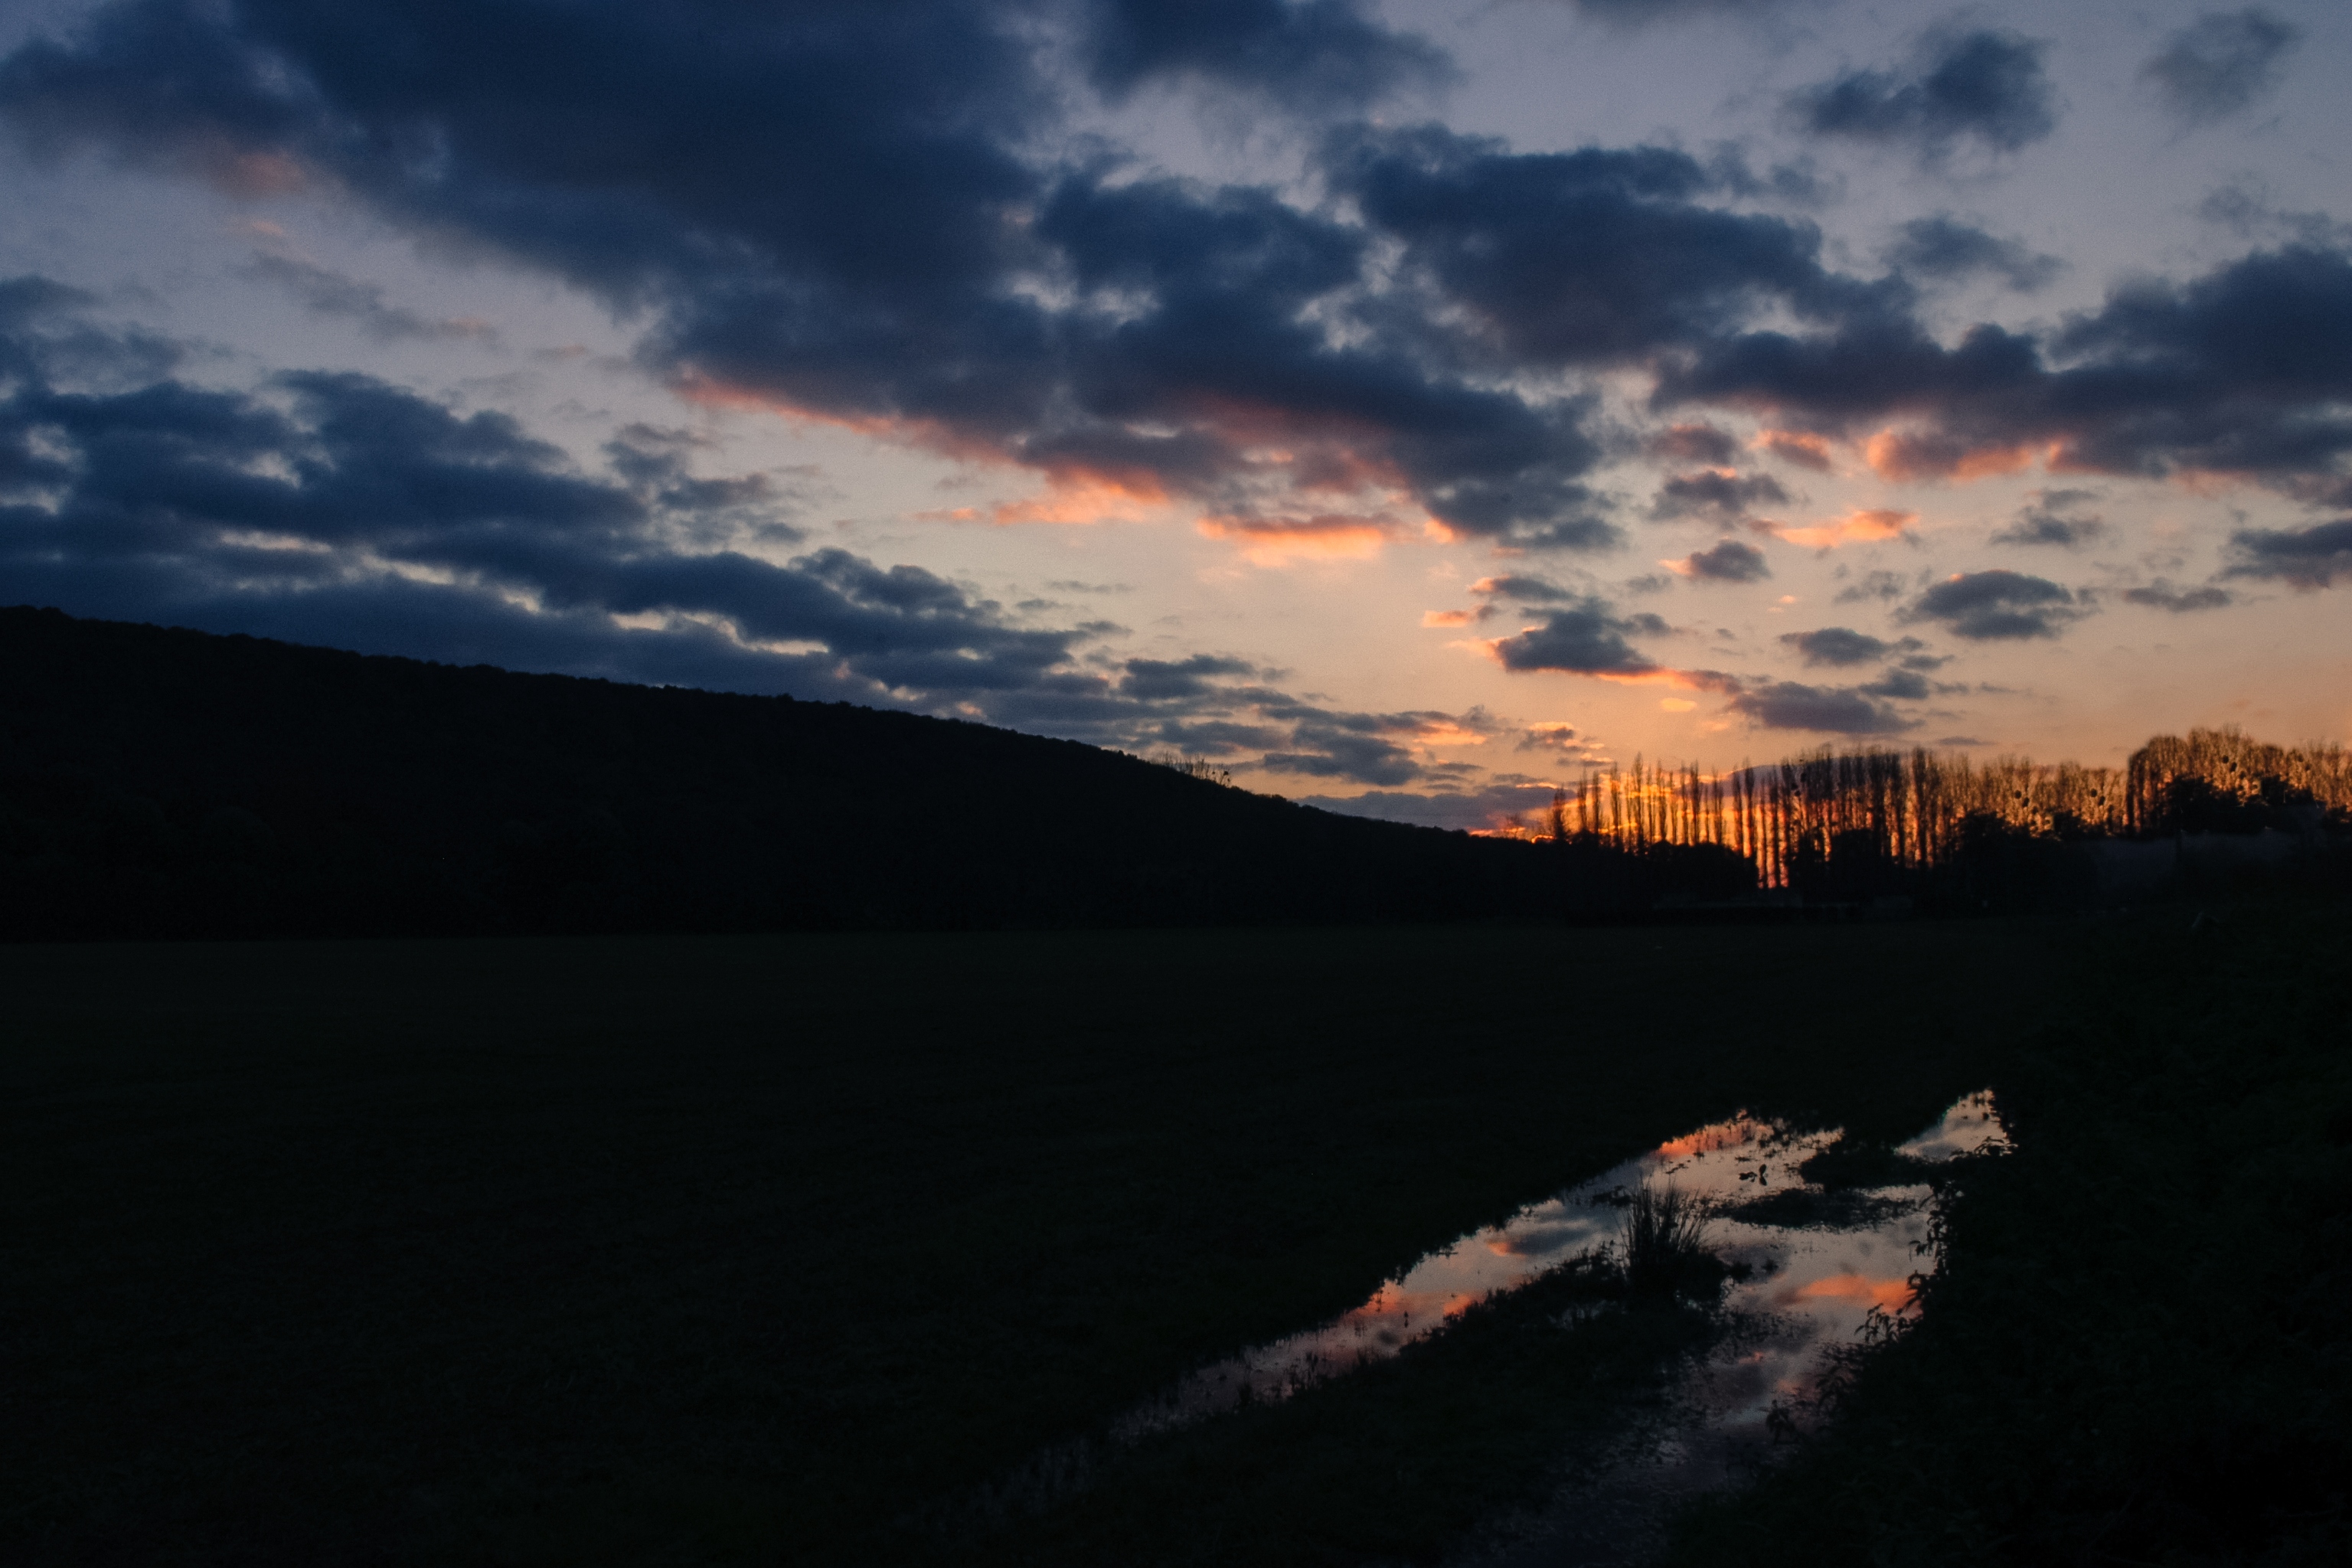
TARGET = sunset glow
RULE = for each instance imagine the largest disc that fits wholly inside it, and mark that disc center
(1278, 541)
(1855, 527)
(1070, 350)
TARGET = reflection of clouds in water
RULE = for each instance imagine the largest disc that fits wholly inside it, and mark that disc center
(1553, 1240)
(1824, 1286)
(1887, 1295)
(1970, 1124)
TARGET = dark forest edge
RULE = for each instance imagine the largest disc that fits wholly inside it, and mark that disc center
(166, 783)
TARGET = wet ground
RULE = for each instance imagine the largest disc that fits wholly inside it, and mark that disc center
(1815, 1265)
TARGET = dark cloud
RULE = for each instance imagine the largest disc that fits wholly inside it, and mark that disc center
(1984, 87)
(1366, 759)
(329, 293)
(1830, 710)
(1554, 737)
(1586, 638)
(2049, 518)
(1797, 446)
(1836, 646)
(1997, 604)
(2243, 371)
(2244, 207)
(2221, 63)
(1723, 495)
(43, 334)
(1630, 14)
(654, 464)
(1314, 54)
(1943, 248)
(1583, 534)
(1520, 586)
(880, 271)
(1729, 562)
(2312, 557)
(2162, 596)
(865, 214)
(1595, 256)
(1908, 685)
(216, 500)
(1875, 585)
(1364, 748)
(1156, 680)
(1694, 444)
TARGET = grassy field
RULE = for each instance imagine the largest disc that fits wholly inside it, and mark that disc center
(696, 1249)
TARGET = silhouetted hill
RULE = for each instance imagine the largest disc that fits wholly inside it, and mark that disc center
(171, 782)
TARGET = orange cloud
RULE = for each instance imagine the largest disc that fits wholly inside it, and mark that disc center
(1798, 447)
(1085, 498)
(1681, 679)
(1860, 527)
(1446, 733)
(1278, 541)
(1455, 617)
(1909, 455)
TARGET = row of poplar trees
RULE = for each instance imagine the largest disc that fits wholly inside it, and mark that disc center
(1912, 808)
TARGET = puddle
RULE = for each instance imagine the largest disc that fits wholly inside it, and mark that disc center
(1732, 1408)
(1818, 1263)
(1818, 1285)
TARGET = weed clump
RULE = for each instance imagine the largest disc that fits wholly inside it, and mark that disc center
(1664, 1244)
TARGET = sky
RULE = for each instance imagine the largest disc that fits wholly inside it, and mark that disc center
(1405, 406)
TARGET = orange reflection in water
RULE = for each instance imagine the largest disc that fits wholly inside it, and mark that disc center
(1715, 1135)
(1818, 1285)
(1887, 1295)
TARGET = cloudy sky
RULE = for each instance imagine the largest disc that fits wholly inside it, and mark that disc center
(1406, 403)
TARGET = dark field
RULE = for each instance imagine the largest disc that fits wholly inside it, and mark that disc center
(709, 1248)
(2138, 1346)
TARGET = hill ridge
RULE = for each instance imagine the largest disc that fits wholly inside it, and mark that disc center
(164, 782)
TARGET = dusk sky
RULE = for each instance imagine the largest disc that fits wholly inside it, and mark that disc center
(1403, 405)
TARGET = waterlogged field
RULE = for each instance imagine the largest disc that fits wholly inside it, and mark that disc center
(717, 1249)
(1825, 1280)
(2136, 1347)
(1607, 1380)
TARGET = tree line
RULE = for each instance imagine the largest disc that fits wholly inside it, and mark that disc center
(1919, 811)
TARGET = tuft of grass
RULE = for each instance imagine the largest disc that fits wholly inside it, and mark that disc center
(1663, 1242)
